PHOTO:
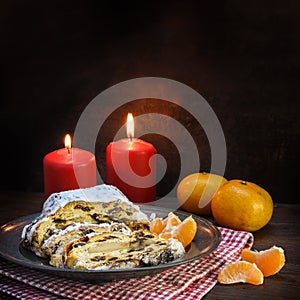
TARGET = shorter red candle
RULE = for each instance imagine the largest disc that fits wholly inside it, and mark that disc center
(68, 168)
(127, 167)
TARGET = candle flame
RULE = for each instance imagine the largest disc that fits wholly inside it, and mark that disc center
(68, 142)
(130, 126)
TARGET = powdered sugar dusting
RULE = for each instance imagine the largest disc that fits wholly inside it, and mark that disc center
(98, 193)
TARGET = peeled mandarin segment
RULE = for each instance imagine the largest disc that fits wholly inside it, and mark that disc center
(165, 235)
(186, 231)
(171, 221)
(241, 271)
(156, 226)
(168, 224)
(269, 261)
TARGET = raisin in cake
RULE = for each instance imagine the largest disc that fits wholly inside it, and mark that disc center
(96, 205)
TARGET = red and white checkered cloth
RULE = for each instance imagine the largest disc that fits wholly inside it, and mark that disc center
(189, 281)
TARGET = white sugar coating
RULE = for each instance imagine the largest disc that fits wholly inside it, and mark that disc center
(99, 193)
(32, 226)
(29, 230)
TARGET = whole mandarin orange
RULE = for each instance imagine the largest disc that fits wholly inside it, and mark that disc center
(196, 190)
(242, 205)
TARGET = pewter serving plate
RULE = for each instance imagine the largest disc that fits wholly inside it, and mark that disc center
(206, 240)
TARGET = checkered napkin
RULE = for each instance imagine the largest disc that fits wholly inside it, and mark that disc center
(188, 281)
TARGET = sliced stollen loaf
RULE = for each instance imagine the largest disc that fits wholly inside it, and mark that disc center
(56, 245)
(119, 251)
(95, 205)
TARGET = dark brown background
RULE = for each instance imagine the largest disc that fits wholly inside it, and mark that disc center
(241, 56)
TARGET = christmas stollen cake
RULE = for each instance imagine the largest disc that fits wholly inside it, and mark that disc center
(95, 205)
(96, 228)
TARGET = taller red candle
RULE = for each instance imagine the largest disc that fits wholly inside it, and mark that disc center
(68, 168)
(131, 166)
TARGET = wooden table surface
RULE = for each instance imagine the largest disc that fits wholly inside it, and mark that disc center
(283, 230)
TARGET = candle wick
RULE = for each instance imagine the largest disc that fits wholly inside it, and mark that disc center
(69, 150)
